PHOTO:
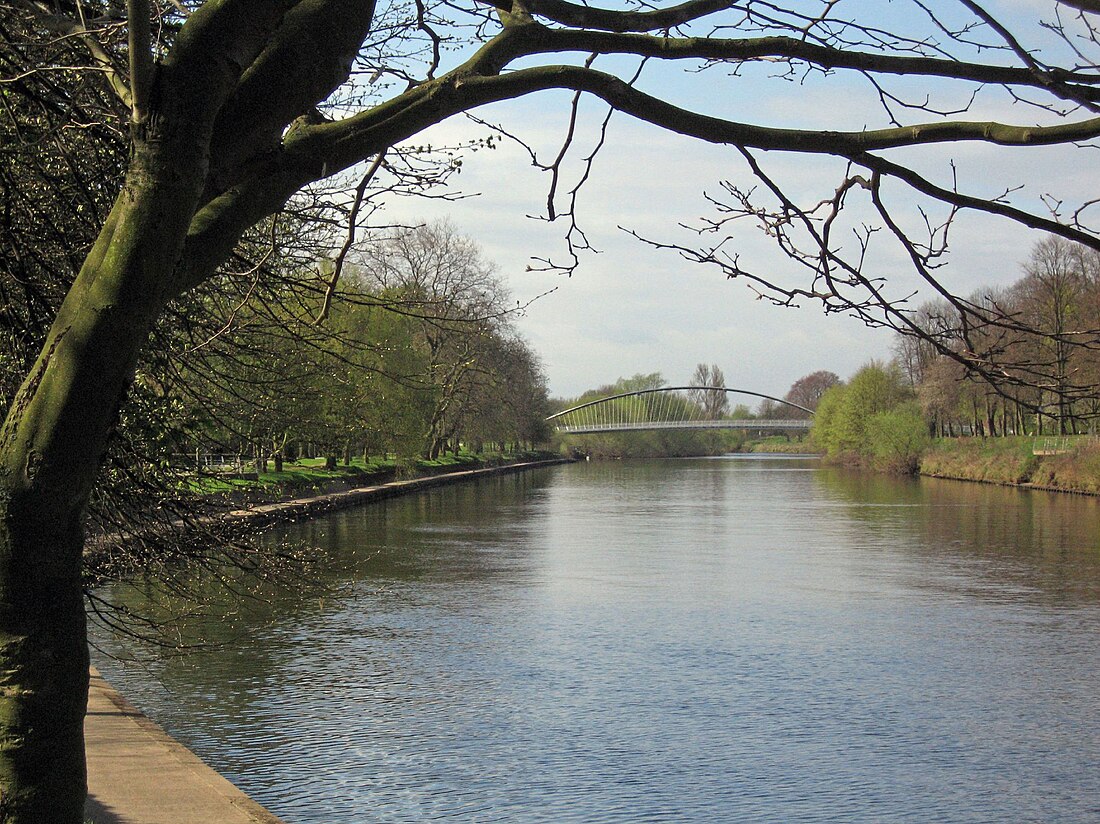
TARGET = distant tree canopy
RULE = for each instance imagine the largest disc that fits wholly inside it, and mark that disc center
(652, 406)
(807, 390)
(1052, 325)
(418, 355)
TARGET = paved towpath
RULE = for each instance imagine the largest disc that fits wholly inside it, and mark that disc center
(138, 774)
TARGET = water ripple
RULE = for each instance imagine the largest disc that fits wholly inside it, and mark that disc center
(679, 642)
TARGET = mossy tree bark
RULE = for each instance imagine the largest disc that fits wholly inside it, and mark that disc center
(59, 424)
(53, 442)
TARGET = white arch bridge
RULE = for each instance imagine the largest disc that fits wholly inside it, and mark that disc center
(670, 407)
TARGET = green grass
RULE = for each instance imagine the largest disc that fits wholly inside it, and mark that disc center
(1077, 470)
(997, 460)
(297, 475)
(219, 485)
(780, 444)
(309, 474)
(1012, 461)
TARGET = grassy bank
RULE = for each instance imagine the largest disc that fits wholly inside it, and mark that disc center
(1068, 464)
(994, 460)
(309, 476)
(778, 444)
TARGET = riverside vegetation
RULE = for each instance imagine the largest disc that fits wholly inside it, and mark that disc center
(926, 412)
(881, 419)
(1069, 464)
(311, 476)
(699, 402)
(876, 420)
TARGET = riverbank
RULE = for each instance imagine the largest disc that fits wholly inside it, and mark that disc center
(782, 446)
(306, 477)
(1053, 464)
(299, 491)
(342, 498)
(137, 773)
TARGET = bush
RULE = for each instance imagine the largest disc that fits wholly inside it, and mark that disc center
(898, 438)
(845, 422)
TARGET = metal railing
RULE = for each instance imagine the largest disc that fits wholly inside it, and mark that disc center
(638, 426)
(210, 461)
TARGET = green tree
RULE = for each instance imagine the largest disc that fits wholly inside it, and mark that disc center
(873, 389)
(824, 432)
(898, 437)
(392, 407)
(844, 412)
(509, 402)
(442, 280)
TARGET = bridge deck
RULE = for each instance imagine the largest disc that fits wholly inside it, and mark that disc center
(641, 426)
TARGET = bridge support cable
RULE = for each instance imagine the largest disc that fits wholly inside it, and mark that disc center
(673, 407)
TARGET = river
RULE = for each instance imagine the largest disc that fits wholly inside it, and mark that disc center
(740, 639)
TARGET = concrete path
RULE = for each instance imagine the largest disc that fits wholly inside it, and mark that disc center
(137, 774)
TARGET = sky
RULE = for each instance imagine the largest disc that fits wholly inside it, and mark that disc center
(633, 309)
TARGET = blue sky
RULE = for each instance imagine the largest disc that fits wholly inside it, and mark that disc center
(633, 309)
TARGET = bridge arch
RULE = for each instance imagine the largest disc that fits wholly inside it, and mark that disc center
(573, 421)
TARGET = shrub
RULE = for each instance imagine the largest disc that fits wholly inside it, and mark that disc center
(898, 438)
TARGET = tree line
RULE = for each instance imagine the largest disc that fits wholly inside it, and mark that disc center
(1043, 376)
(657, 442)
(418, 356)
(1049, 372)
(1043, 362)
(705, 399)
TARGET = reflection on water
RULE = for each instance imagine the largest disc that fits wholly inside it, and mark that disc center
(1018, 544)
(699, 640)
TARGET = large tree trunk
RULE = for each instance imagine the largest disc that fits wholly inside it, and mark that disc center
(51, 447)
(44, 682)
(59, 422)
(52, 443)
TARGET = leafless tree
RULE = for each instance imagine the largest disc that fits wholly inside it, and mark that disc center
(807, 390)
(710, 396)
(440, 277)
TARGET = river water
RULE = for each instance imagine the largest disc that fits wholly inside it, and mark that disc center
(742, 639)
